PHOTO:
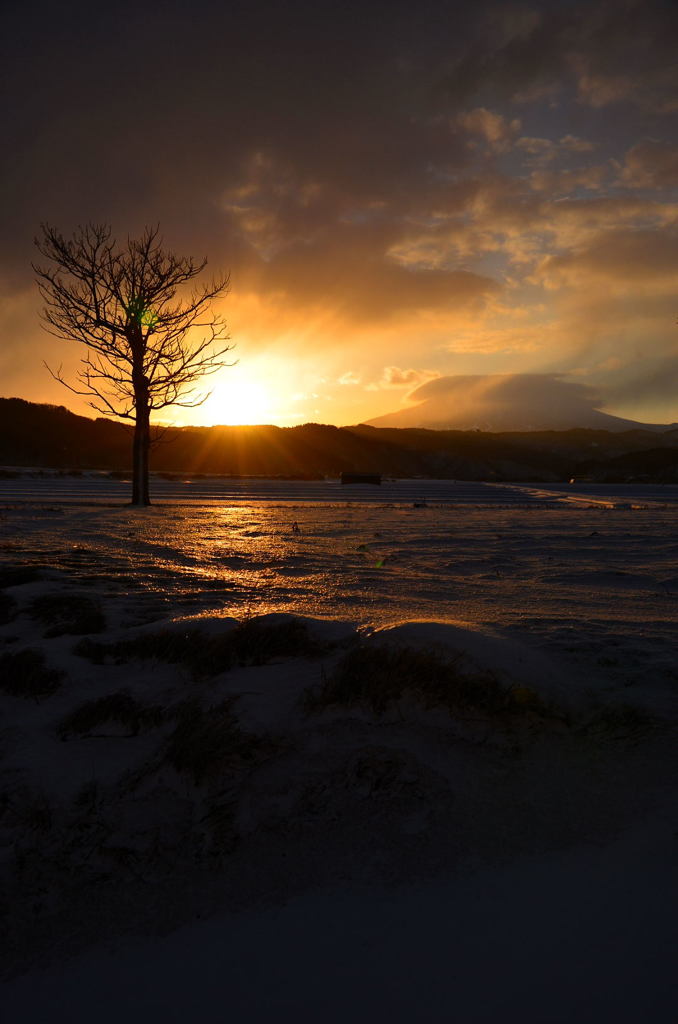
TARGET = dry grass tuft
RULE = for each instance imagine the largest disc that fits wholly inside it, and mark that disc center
(208, 654)
(67, 613)
(207, 742)
(119, 707)
(256, 642)
(378, 677)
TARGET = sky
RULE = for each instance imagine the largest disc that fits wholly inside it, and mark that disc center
(399, 191)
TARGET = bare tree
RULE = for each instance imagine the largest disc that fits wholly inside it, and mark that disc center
(146, 346)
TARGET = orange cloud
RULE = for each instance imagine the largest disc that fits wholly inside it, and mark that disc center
(498, 132)
(619, 257)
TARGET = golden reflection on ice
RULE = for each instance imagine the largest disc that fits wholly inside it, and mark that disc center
(369, 562)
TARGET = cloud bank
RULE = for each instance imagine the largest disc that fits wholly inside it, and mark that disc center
(504, 402)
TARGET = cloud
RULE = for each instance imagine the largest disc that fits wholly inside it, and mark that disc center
(496, 130)
(349, 379)
(609, 55)
(565, 182)
(504, 402)
(348, 274)
(370, 174)
(651, 164)
(508, 388)
(620, 258)
(601, 90)
(526, 221)
(652, 89)
(576, 145)
(543, 151)
(656, 380)
(571, 223)
(395, 377)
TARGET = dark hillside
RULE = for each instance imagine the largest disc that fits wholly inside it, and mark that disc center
(53, 437)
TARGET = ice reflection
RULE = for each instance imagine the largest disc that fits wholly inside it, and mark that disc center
(369, 562)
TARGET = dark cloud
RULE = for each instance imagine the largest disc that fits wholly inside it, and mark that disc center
(607, 52)
(140, 113)
(651, 164)
(511, 56)
(137, 113)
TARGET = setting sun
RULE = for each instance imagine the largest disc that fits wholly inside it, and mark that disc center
(237, 398)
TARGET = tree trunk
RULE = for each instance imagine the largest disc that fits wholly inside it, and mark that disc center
(141, 446)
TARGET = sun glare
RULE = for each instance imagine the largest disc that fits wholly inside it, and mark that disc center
(238, 400)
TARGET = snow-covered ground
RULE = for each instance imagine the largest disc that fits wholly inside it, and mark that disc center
(413, 862)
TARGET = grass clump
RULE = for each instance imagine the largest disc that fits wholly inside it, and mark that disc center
(68, 613)
(256, 642)
(119, 707)
(377, 677)
(25, 674)
(207, 742)
(201, 653)
(252, 642)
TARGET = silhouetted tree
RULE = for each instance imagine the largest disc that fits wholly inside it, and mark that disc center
(146, 345)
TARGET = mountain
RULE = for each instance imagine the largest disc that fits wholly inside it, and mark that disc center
(50, 436)
(506, 402)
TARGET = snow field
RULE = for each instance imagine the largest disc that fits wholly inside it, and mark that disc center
(390, 860)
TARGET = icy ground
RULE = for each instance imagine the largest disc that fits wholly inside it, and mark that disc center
(588, 574)
(409, 863)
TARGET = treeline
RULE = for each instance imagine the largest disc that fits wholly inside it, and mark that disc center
(52, 437)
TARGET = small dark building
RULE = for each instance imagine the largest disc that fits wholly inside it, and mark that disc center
(361, 478)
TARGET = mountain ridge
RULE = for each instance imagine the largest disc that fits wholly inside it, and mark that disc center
(33, 435)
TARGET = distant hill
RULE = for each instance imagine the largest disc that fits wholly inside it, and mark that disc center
(51, 436)
(507, 402)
